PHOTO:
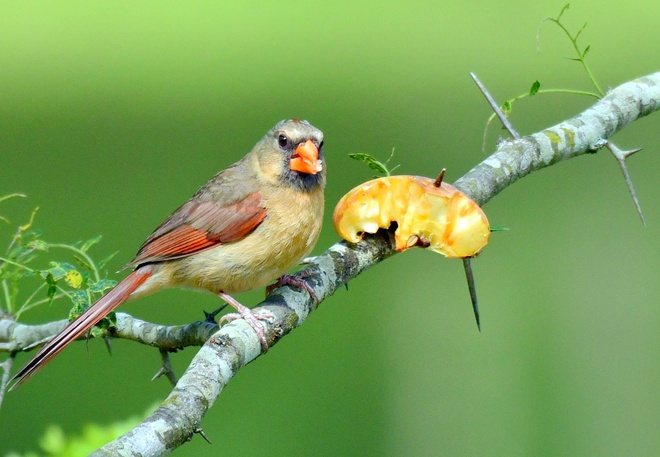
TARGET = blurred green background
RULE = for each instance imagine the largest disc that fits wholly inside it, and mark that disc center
(113, 113)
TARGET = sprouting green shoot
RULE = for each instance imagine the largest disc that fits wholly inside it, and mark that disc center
(28, 257)
(379, 167)
(580, 52)
(535, 88)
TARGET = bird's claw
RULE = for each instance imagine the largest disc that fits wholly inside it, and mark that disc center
(296, 281)
(245, 313)
(252, 319)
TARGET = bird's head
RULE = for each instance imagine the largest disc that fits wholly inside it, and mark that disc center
(292, 152)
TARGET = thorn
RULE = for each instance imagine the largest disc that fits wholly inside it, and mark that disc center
(6, 371)
(200, 432)
(108, 344)
(632, 152)
(473, 291)
(438, 181)
(210, 317)
(491, 101)
(166, 369)
(159, 373)
(621, 157)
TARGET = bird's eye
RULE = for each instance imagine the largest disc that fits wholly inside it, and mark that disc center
(283, 140)
(321, 145)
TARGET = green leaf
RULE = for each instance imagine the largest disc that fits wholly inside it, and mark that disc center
(37, 245)
(102, 263)
(536, 85)
(506, 108)
(79, 299)
(102, 285)
(371, 162)
(584, 53)
(80, 303)
(109, 321)
(91, 242)
(74, 279)
(101, 329)
(584, 26)
(85, 276)
(498, 228)
(33, 232)
(566, 6)
(52, 286)
(83, 263)
(59, 270)
(19, 252)
(49, 278)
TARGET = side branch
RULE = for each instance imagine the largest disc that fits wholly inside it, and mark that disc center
(15, 337)
(587, 132)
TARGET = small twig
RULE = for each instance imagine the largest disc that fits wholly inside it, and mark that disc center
(493, 104)
(21, 228)
(581, 53)
(621, 157)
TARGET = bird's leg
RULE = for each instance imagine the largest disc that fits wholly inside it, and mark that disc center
(243, 312)
(296, 281)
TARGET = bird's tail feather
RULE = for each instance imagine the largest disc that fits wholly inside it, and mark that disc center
(84, 322)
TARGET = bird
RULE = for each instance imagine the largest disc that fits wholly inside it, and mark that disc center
(246, 227)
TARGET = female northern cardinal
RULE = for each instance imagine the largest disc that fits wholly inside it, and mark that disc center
(243, 229)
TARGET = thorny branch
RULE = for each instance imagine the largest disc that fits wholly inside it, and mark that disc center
(226, 350)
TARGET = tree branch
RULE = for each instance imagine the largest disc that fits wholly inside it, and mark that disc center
(236, 344)
(15, 337)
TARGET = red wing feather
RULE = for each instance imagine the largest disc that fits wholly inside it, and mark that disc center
(198, 226)
(180, 241)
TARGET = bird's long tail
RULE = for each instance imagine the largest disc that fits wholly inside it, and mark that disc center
(84, 322)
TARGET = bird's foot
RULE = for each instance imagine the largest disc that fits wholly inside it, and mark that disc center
(296, 281)
(252, 318)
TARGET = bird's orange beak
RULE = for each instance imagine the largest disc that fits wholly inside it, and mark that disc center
(306, 159)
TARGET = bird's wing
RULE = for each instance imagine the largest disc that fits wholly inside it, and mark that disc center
(200, 225)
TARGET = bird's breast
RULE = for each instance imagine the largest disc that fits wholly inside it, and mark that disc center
(288, 234)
